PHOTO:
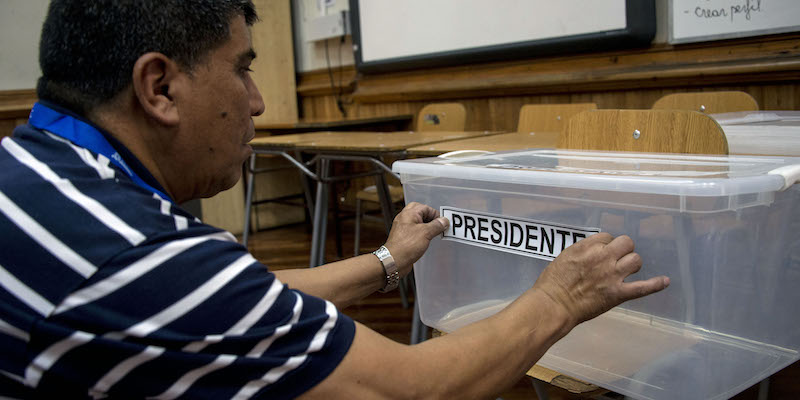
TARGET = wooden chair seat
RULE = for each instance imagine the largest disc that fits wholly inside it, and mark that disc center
(370, 193)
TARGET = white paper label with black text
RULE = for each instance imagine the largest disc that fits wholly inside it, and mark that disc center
(544, 240)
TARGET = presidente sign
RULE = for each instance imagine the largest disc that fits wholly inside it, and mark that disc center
(526, 237)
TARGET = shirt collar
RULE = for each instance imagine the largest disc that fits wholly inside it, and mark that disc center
(123, 151)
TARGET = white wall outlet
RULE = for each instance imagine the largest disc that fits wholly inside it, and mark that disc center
(327, 27)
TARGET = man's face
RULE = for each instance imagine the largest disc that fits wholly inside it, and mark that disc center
(217, 118)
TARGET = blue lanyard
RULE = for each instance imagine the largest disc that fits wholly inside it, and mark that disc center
(83, 135)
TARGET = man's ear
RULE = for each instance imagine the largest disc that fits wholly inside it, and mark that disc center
(154, 79)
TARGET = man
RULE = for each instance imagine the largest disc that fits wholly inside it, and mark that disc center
(110, 289)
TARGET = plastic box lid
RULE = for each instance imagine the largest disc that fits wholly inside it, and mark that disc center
(758, 118)
(762, 132)
(651, 173)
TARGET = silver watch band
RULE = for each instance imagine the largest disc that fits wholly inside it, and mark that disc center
(389, 267)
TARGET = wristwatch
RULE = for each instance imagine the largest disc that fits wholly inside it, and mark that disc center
(389, 267)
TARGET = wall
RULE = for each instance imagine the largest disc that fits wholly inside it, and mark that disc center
(20, 27)
(310, 56)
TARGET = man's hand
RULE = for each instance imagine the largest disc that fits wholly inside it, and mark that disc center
(411, 233)
(586, 279)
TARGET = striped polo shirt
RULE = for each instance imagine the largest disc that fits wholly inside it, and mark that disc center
(107, 289)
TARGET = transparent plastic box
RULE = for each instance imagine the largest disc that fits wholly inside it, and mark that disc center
(725, 229)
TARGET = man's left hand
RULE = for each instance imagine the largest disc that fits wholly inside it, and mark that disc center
(412, 231)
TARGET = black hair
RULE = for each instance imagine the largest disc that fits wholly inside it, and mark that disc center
(88, 48)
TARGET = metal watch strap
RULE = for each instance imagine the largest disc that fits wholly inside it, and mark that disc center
(389, 268)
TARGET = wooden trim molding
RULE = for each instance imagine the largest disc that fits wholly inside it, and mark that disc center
(318, 82)
(765, 59)
(16, 103)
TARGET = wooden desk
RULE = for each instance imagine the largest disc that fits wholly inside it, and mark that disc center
(376, 124)
(361, 142)
(329, 146)
(501, 142)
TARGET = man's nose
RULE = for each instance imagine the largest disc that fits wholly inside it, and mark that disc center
(256, 103)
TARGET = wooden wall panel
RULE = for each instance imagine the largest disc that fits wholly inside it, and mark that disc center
(502, 112)
(274, 67)
(15, 105)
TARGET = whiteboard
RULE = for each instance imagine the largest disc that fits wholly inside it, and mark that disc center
(703, 20)
(391, 32)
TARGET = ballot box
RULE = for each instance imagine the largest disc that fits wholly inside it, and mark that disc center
(724, 229)
(761, 132)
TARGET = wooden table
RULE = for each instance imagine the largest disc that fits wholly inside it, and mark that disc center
(383, 123)
(329, 146)
(362, 142)
(501, 142)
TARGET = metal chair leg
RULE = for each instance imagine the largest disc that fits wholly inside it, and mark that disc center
(337, 222)
(357, 240)
(415, 325)
(540, 388)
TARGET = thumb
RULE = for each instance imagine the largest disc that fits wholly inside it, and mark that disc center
(436, 227)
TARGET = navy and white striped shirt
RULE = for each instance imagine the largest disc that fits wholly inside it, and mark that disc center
(107, 289)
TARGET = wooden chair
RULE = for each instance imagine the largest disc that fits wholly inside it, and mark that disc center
(708, 102)
(432, 117)
(660, 131)
(442, 117)
(548, 117)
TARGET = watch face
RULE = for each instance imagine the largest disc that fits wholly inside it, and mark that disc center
(382, 253)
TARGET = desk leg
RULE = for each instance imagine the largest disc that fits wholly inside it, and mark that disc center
(249, 199)
(763, 389)
(683, 234)
(418, 329)
(386, 201)
(320, 217)
(305, 180)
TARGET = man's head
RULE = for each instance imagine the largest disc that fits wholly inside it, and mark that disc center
(88, 48)
(169, 79)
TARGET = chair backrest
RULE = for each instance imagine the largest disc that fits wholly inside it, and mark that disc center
(442, 117)
(548, 117)
(708, 102)
(658, 131)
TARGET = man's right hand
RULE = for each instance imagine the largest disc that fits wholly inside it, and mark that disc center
(587, 278)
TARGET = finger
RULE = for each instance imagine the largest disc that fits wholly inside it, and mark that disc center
(620, 246)
(419, 212)
(636, 289)
(602, 237)
(629, 264)
(412, 212)
(436, 227)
